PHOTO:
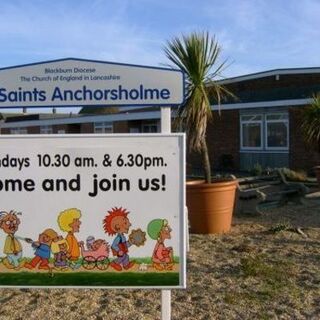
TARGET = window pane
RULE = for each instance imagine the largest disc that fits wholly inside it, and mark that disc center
(134, 130)
(277, 135)
(251, 135)
(18, 131)
(103, 127)
(149, 128)
(251, 117)
(46, 130)
(280, 116)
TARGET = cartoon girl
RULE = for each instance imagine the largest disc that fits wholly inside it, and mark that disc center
(162, 256)
(69, 221)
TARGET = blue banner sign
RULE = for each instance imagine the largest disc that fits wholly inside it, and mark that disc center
(78, 82)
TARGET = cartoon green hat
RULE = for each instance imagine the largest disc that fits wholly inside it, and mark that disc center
(155, 226)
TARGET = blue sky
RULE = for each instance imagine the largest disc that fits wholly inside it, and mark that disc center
(255, 35)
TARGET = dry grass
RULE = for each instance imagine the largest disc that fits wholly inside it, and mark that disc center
(250, 273)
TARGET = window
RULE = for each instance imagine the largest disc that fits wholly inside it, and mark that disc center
(277, 131)
(103, 127)
(151, 127)
(265, 131)
(134, 130)
(46, 130)
(251, 132)
(18, 131)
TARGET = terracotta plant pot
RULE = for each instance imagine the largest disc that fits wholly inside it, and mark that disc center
(317, 171)
(210, 206)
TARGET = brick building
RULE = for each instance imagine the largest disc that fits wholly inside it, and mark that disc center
(260, 127)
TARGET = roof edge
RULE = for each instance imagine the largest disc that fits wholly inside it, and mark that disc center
(268, 73)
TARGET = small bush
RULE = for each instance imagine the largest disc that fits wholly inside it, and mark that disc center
(292, 175)
(257, 170)
(281, 226)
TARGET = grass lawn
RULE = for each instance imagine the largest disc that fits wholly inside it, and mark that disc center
(90, 279)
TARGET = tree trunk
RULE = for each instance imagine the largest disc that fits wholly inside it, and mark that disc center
(206, 161)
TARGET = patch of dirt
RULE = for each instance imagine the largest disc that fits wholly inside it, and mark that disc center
(249, 273)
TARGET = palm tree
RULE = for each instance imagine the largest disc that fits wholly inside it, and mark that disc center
(197, 56)
(310, 124)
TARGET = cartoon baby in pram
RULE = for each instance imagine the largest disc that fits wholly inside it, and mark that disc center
(96, 254)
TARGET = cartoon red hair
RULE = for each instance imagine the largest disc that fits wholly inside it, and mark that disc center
(107, 221)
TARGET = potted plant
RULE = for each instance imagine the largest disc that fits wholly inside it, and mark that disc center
(210, 203)
(310, 126)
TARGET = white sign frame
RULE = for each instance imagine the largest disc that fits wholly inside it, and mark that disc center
(182, 219)
(33, 86)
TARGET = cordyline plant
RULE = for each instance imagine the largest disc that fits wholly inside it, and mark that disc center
(197, 56)
(310, 124)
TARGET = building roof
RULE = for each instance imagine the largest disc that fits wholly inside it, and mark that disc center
(268, 73)
(277, 87)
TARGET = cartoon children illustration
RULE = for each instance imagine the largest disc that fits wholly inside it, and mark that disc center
(69, 221)
(9, 223)
(117, 222)
(59, 248)
(42, 250)
(162, 256)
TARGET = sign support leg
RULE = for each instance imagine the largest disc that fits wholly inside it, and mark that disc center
(165, 304)
(165, 294)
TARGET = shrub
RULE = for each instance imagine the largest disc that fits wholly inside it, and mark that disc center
(292, 175)
(257, 170)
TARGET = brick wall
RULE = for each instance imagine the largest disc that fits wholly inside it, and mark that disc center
(86, 128)
(302, 156)
(33, 130)
(121, 127)
(5, 131)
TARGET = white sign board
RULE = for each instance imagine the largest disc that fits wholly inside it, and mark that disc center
(78, 82)
(92, 211)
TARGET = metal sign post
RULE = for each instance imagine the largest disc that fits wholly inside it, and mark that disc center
(165, 294)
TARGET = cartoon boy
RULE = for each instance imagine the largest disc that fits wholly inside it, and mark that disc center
(9, 223)
(42, 250)
(69, 221)
(162, 256)
(117, 222)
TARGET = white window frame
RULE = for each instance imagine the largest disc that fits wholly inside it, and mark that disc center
(150, 124)
(242, 122)
(286, 148)
(134, 130)
(46, 129)
(264, 131)
(103, 125)
(20, 130)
